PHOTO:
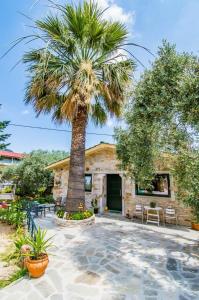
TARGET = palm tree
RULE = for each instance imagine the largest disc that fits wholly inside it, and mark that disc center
(79, 74)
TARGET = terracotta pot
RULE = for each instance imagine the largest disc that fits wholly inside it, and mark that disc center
(36, 268)
(195, 226)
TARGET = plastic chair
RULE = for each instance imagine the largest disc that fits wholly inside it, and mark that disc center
(139, 211)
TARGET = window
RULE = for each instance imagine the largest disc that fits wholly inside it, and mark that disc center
(160, 187)
(5, 160)
(88, 182)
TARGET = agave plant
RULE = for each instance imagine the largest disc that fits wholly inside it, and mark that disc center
(39, 244)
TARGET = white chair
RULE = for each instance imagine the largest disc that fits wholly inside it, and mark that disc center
(139, 211)
(170, 215)
(153, 216)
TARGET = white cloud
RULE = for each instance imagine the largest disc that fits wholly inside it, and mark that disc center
(116, 12)
(114, 122)
(25, 112)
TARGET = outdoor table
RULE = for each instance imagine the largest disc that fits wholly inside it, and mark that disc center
(157, 208)
(49, 206)
(43, 207)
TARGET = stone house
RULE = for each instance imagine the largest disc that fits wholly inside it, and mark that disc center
(113, 188)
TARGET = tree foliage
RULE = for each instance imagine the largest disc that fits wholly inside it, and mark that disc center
(162, 116)
(30, 175)
(3, 136)
(187, 178)
(79, 64)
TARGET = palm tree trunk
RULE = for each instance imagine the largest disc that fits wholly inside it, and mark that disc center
(76, 188)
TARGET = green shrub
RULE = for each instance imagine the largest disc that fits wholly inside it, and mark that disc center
(40, 200)
(43, 200)
(13, 215)
(60, 213)
(79, 215)
(6, 190)
(74, 216)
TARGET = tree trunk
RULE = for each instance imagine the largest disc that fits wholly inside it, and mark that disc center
(76, 188)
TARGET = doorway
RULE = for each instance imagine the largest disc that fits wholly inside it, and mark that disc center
(114, 192)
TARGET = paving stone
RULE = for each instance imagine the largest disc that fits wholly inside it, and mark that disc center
(99, 254)
(148, 292)
(14, 296)
(83, 260)
(181, 297)
(93, 259)
(104, 261)
(176, 275)
(83, 290)
(88, 277)
(113, 297)
(70, 296)
(57, 297)
(56, 279)
(188, 297)
(188, 275)
(44, 288)
(195, 287)
(33, 295)
(69, 236)
(90, 252)
(112, 269)
(190, 269)
(171, 264)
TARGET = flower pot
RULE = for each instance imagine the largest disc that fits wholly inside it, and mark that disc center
(195, 226)
(96, 210)
(153, 205)
(36, 268)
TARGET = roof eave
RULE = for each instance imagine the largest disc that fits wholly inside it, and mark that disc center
(64, 162)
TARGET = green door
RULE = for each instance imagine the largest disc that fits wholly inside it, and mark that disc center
(114, 192)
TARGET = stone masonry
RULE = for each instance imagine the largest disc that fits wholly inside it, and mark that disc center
(103, 161)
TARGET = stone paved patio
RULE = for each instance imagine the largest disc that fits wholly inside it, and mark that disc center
(115, 259)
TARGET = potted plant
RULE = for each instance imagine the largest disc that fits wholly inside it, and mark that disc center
(94, 204)
(193, 202)
(152, 204)
(36, 259)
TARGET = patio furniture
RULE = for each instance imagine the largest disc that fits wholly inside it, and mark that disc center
(170, 214)
(153, 215)
(139, 211)
(50, 207)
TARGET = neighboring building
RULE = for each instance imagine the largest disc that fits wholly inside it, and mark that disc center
(8, 158)
(113, 188)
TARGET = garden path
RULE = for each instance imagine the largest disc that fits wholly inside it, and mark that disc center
(115, 259)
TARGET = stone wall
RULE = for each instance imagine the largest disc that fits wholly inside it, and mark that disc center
(99, 164)
(105, 162)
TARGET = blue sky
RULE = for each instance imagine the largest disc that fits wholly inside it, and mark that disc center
(149, 21)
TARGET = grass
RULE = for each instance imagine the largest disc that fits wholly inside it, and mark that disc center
(15, 276)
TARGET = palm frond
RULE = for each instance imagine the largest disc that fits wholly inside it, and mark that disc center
(78, 65)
